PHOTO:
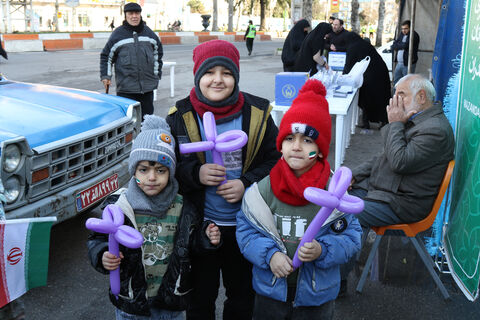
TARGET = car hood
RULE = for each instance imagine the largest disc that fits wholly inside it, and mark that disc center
(44, 113)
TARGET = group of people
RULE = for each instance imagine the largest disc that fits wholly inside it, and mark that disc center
(307, 52)
(243, 220)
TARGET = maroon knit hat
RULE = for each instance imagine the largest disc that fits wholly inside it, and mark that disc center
(215, 48)
(211, 54)
(308, 115)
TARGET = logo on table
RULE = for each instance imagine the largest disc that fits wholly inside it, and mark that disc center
(14, 256)
(289, 91)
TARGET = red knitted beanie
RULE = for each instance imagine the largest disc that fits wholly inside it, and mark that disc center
(215, 48)
(308, 115)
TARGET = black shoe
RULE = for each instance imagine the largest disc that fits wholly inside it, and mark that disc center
(343, 288)
(249, 53)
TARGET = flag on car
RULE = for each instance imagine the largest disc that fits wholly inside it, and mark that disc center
(24, 248)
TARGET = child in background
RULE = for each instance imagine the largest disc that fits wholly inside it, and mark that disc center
(154, 278)
(216, 76)
(275, 215)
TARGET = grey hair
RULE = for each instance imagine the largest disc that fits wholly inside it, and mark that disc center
(417, 83)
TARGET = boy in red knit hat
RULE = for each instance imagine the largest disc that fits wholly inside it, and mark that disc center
(216, 75)
(275, 215)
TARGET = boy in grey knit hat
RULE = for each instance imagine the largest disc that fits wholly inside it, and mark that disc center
(154, 278)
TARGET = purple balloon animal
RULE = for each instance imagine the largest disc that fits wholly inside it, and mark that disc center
(112, 223)
(335, 197)
(228, 141)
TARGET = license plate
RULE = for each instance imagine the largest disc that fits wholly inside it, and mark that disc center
(97, 192)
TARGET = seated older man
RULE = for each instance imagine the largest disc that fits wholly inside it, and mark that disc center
(400, 184)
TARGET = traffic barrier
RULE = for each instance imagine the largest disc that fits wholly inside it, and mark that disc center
(97, 40)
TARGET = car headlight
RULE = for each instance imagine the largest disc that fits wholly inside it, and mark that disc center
(12, 189)
(12, 158)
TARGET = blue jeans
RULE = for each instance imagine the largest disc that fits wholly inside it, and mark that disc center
(401, 71)
(374, 213)
(156, 314)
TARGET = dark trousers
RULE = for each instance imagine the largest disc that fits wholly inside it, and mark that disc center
(250, 44)
(145, 99)
(270, 309)
(374, 214)
(237, 280)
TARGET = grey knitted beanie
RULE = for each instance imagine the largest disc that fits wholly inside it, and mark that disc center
(153, 143)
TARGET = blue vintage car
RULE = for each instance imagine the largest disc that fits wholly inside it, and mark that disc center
(62, 150)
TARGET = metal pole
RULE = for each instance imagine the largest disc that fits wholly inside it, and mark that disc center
(31, 16)
(2, 24)
(9, 20)
(55, 19)
(412, 35)
(230, 15)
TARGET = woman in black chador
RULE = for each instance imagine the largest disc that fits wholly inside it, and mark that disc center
(375, 91)
(312, 44)
(293, 42)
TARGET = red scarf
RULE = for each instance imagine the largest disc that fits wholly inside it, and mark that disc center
(289, 189)
(218, 112)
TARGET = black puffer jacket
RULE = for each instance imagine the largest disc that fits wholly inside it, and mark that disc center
(137, 55)
(173, 293)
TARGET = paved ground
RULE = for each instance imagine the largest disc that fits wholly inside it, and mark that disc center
(74, 291)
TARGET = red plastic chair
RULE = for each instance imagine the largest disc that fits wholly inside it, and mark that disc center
(411, 231)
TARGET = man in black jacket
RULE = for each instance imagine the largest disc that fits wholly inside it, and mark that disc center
(401, 46)
(336, 40)
(136, 52)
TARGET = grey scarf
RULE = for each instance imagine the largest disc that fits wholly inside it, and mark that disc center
(156, 205)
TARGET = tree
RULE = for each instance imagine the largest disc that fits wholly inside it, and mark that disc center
(196, 6)
(381, 18)
(354, 17)
(215, 16)
(230, 15)
(307, 10)
(237, 7)
(263, 7)
(319, 10)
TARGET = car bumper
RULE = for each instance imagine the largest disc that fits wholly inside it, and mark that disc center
(63, 204)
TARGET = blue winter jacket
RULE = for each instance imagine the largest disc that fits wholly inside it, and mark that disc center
(318, 281)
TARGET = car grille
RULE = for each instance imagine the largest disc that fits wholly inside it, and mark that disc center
(77, 161)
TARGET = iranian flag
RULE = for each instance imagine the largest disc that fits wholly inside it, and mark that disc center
(24, 248)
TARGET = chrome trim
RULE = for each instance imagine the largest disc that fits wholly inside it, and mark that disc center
(81, 136)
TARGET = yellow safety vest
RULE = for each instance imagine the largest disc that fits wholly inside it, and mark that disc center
(251, 32)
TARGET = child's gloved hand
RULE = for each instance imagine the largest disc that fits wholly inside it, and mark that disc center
(213, 233)
(212, 174)
(232, 190)
(110, 261)
(281, 265)
(310, 251)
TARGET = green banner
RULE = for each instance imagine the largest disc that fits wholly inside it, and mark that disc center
(462, 239)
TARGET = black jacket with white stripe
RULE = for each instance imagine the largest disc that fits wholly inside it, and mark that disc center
(136, 52)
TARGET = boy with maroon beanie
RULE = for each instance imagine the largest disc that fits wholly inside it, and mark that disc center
(216, 77)
(275, 216)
